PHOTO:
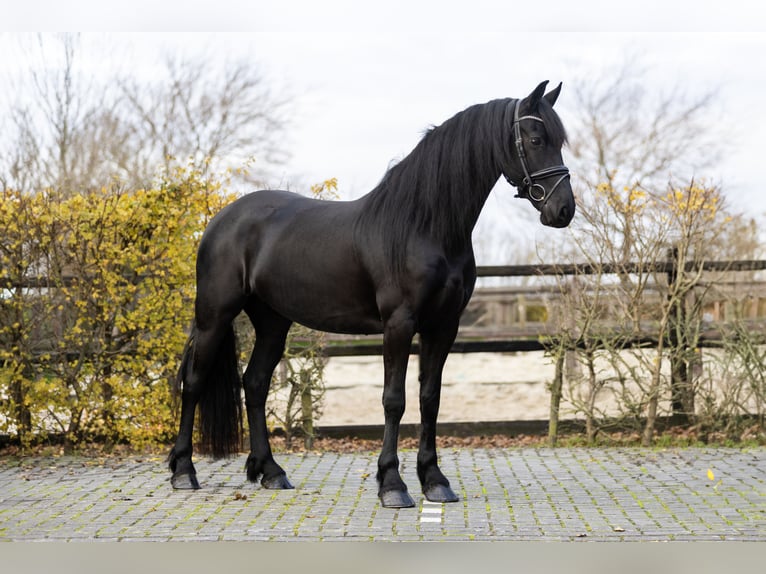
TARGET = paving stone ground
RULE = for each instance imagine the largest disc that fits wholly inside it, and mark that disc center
(612, 494)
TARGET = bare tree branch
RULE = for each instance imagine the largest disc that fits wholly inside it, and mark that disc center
(74, 130)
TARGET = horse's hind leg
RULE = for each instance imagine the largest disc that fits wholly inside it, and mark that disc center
(434, 348)
(270, 336)
(201, 359)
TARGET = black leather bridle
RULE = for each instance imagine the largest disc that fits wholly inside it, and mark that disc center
(529, 187)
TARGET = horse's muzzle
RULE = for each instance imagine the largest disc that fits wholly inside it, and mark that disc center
(557, 213)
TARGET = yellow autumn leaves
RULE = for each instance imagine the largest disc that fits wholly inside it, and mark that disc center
(328, 189)
(629, 200)
(95, 295)
(704, 201)
(676, 202)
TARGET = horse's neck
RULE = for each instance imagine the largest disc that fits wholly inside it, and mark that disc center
(459, 207)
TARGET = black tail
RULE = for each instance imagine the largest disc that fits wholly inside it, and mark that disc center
(220, 404)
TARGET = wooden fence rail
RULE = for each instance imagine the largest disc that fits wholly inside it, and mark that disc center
(531, 270)
(370, 346)
(668, 266)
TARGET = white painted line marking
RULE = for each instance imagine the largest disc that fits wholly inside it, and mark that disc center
(430, 519)
(431, 512)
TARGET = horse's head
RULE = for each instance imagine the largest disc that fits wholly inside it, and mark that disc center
(537, 169)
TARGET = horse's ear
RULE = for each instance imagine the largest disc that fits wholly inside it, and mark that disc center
(553, 95)
(534, 98)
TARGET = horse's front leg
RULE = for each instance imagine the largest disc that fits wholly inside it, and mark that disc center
(397, 341)
(271, 333)
(434, 348)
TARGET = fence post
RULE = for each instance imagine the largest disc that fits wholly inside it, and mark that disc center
(681, 393)
(556, 386)
(307, 411)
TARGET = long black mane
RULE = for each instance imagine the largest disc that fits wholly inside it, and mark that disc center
(439, 189)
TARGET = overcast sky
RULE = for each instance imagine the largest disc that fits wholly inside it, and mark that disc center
(369, 77)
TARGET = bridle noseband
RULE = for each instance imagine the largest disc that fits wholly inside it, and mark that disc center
(528, 188)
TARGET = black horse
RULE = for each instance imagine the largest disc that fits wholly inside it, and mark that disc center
(397, 261)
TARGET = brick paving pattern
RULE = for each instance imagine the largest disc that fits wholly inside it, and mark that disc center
(514, 494)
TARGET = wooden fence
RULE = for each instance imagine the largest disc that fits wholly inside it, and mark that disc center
(522, 335)
(510, 326)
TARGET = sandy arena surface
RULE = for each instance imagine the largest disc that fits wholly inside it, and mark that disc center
(476, 387)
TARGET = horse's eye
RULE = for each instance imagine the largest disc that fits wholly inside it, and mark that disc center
(536, 141)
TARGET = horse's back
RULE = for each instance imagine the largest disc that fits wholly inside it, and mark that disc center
(251, 221)
(251, 211)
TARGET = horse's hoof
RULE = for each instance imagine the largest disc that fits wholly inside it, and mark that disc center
(185, 481)
(278, 482)
(396, 499)
(440, 493)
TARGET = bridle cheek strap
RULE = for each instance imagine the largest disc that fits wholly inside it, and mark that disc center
(528, 187)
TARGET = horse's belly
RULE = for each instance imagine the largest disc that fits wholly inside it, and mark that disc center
(348, 325)
(323, 313)
(321, 297)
